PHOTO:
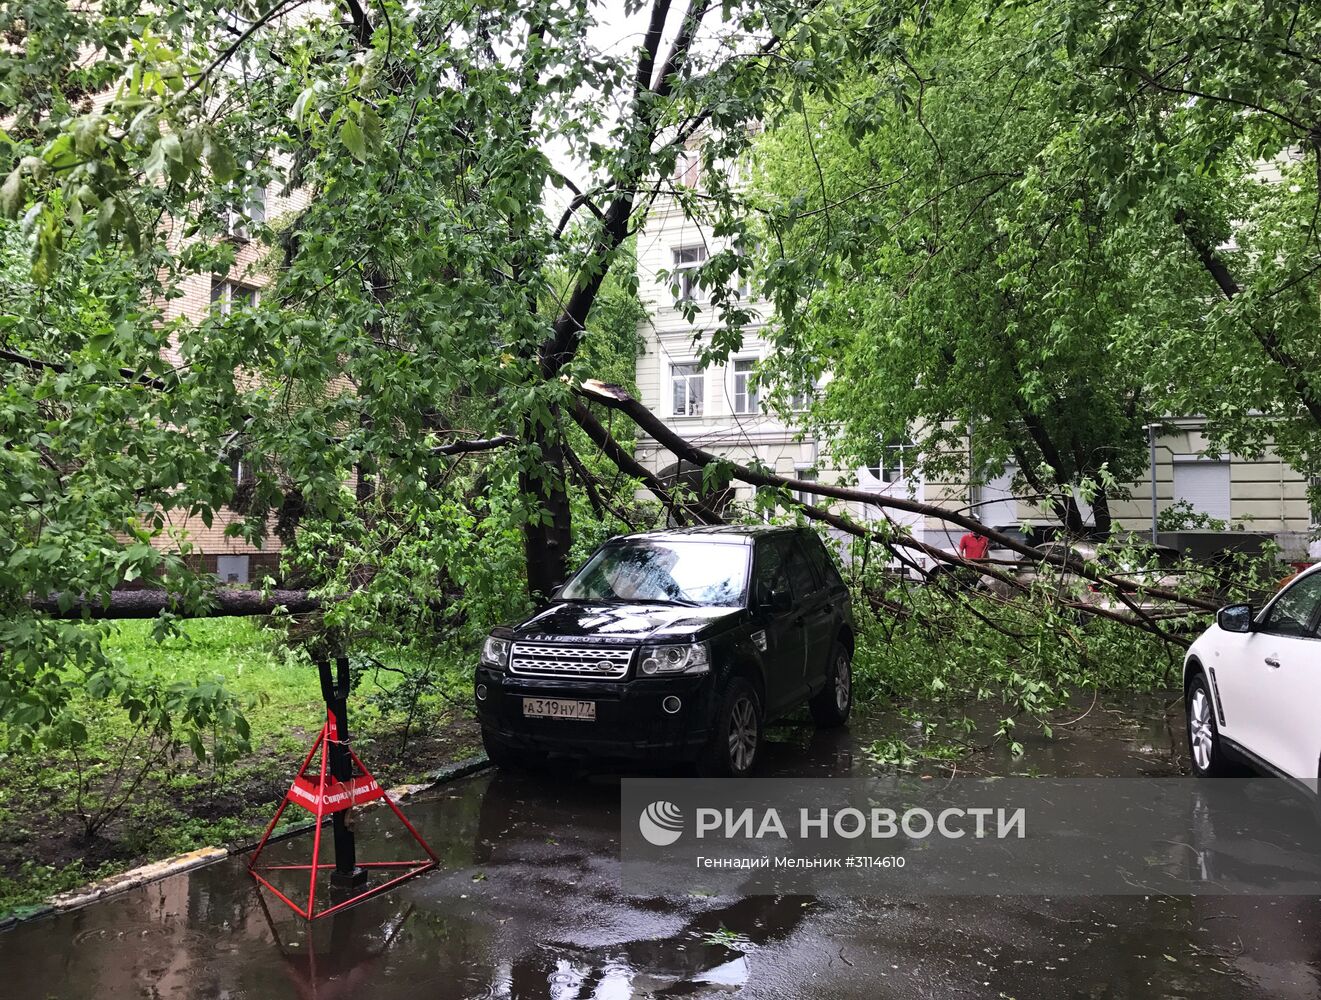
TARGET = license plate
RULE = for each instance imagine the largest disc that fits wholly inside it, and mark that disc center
(559, 708)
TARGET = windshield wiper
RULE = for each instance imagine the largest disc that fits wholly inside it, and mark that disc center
(679, 601)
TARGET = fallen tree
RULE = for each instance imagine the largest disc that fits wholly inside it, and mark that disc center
(229, 602)
(224, 602)
(615, 398)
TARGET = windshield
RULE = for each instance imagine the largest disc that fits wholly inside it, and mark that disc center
(679, 572)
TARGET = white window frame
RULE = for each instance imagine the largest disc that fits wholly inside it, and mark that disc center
(252, 210)
(693, 407)
(746, 402)
(222, 295)
(903, 468)
(808, 474)
(801, 402)
(687, 260)
(688, 169)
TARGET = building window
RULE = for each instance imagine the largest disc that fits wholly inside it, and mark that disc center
(687, 260)
(240, 468)
(250, 211)
(740, 280)
(232, 569)
(807, 474)
(688, 168)
(1203, 484)
(745, 393)
(688, 385)
(896, 461)
(800, 402)
(226, 295)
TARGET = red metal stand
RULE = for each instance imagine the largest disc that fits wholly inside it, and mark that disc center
(323, 797)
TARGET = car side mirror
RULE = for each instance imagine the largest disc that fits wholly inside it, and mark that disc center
(1235, 618)
(778, 601)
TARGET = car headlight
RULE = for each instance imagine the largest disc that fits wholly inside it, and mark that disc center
(691, 658)
(495, 652)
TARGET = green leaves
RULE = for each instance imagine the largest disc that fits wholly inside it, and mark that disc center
(351, 134)
(299, 109)
(220, 158)
(418, 281)
(1004, 256)
(11, 194)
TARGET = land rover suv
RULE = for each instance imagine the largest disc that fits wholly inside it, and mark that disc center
(673, 645)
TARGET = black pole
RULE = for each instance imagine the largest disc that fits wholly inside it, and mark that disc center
(335, 691)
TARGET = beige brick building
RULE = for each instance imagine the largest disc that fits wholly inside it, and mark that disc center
(232, 559)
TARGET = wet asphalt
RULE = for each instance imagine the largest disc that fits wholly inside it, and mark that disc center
(527, 904)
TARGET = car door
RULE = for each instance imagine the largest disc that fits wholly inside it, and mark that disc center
(816, 605)
(785, 634)
(1283, 655)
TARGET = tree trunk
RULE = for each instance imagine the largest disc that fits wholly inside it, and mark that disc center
(1067, 506)
(1101, 512)
(548, 538)
(225, 603)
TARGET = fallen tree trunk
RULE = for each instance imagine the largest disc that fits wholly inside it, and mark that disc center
(222, 603)
(616, 398)
(630, 466)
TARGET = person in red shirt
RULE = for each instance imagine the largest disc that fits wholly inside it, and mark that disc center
(974, 545)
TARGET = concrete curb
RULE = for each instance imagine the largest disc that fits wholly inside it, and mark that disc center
(157, 870)
(135, 877)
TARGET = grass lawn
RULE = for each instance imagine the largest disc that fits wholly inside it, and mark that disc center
(180, 803)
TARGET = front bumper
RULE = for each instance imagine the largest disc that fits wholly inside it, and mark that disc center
(630, 722)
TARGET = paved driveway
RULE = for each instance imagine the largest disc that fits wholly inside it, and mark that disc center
(527, 905)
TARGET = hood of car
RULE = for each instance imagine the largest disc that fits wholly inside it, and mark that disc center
(621, 622)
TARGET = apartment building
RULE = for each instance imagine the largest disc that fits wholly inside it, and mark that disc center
(1195, 485)
(232, 559)
(719, 409)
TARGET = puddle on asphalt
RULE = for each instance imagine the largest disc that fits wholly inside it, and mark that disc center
(526, 904)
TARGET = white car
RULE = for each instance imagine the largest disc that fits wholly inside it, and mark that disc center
(1252, 685)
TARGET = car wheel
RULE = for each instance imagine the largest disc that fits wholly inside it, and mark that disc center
(1204, 749)
(502, 755)
(735, 741)
(831, 705)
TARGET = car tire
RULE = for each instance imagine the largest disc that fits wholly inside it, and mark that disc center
(1205, 752)
(735, 742)
(505, 756)
(831, 705)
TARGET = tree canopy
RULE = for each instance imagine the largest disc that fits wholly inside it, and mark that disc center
(463, 183)
(1047, 225)
(1041, 224)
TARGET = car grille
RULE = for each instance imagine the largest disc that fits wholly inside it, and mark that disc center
(576, 661)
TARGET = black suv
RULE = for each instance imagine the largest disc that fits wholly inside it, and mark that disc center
(673, 645)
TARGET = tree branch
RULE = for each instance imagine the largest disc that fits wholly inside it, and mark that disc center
(630, 466)
(362, 26)
(1219, 271)
(617, 398)
(469, 447)
(37, 364)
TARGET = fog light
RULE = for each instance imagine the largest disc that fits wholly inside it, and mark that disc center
(671, 704)
(481, 692)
